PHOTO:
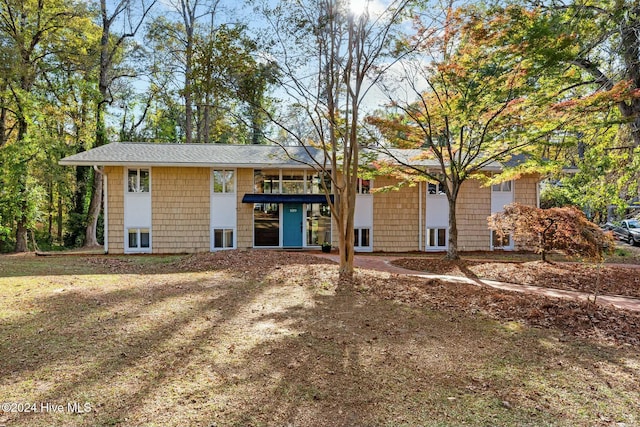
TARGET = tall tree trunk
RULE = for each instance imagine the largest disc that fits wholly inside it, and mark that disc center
(3, 125)
(630, 44)
(101, 133)
(188, 98)
(94, 211)
(59, 222)
(50, 209)
(345, 240)
(22, 244)
(452, 247)
(21, 236)
(91, 238)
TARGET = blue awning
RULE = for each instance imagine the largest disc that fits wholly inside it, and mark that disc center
(285, 198)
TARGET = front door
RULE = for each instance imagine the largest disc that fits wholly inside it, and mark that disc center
(292, 225)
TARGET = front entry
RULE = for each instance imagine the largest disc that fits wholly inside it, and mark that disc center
(292, 225)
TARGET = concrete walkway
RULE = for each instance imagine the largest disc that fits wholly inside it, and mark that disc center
(383, 263)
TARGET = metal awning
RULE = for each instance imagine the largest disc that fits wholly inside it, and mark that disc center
(285, 198)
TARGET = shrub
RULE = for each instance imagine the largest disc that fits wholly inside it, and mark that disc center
(565, 229)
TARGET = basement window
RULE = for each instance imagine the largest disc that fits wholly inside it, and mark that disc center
(436, 238)
(361, 236)
(138, 238)
(223, 238)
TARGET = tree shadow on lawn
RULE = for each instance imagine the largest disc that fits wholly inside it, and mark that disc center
(360, 361)
(114, 349)
(288, 349)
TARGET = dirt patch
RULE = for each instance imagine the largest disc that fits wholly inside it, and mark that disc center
(614, 280)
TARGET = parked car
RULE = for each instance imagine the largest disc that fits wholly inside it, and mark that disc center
(628, 230)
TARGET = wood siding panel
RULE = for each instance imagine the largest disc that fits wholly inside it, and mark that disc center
(244, 182)
(472, 210)
(115, 205)
(396, 225)
(526, 190)
(180, 201)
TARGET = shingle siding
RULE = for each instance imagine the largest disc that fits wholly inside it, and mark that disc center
(180, 200)
(245, 210)
(115, 204)
(395, 218)
(472, 209)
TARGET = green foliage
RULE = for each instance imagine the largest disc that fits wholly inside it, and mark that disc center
(228, 84)
(43, 91)
(601, 82)
(555, 196)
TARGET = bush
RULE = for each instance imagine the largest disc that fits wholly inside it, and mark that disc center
(566, 230)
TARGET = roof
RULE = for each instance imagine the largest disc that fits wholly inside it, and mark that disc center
(194, 155)
(415, 157)
(225, 155)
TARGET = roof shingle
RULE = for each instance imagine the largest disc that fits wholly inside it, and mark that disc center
(126, 153)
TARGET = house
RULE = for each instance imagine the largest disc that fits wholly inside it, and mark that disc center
(176, 198)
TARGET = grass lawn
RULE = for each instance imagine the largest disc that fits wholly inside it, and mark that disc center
(266, 338)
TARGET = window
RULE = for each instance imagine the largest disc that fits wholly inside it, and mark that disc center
(224, 181)
(364, 186)
(436, 188)
(139, 238)
(500, 241)
(266, 224)
(314, 182)
(266, 181)
(502, 186)
(361, 236)
(318, 224)
(223, 238)
(437, 237)
(293, 181)
(138, 180)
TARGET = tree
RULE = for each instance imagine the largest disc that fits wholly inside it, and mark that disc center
(606, 46)
(180, 38)
(225, 88)
(602, 58)
(229, 86)
(111, 46)
(563, 229)
(473, 98)
(31, 34)
(330, 55)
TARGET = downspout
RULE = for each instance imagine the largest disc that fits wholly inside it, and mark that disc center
(420, 225)
(105, 214)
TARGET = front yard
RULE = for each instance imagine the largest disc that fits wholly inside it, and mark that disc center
(265, 338)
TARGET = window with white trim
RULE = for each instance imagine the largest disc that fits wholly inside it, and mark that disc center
(138, 180)
(362, 237)
(500, 240)
(364, 186)
(502, 187)
(223, 238)
(138, 238)
(435, 188)
(436, 238)
(224, 181)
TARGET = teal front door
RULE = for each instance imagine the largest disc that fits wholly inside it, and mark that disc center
(292, 225)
